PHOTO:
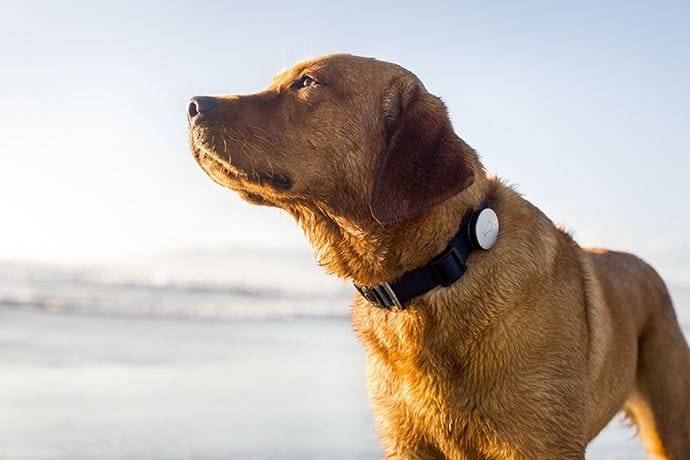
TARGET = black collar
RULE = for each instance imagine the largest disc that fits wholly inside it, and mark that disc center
(478, 230)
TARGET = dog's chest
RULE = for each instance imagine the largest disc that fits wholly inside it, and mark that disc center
(442, 404)
(425, 383)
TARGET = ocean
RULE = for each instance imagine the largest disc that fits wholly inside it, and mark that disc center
(232, 285)
(218, 354)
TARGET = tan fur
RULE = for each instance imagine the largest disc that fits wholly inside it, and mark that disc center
(532, 351)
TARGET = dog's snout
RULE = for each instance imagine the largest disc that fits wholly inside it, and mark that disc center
(199, 105)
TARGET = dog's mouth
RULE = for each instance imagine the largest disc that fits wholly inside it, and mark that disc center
(223, 171)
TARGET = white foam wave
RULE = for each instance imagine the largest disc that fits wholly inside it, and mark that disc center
(179, 290)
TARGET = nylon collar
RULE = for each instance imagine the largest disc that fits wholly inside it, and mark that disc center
(478, 230)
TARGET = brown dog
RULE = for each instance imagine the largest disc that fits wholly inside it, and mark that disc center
(532, 351)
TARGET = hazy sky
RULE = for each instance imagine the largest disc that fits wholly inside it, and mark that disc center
(583, 106)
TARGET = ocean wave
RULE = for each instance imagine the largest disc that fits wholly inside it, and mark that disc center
(150, 292)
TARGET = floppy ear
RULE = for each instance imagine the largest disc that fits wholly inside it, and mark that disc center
(423, 163)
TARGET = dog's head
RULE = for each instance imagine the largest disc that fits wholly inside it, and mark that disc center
(353, 137)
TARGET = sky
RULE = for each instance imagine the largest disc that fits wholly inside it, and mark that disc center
(584, 107)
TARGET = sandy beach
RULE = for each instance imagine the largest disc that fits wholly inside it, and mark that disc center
(76, 386)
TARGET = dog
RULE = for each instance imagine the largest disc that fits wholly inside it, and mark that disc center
(523, 347)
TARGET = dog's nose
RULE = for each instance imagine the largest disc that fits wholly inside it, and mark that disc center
(200, 104)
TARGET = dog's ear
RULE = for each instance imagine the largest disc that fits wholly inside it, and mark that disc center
(423, 163)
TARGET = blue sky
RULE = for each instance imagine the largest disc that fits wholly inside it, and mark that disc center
(583, 106)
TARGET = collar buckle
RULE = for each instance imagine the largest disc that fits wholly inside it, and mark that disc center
(381, 295)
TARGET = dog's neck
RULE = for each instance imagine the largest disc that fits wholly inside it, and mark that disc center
(369, 253)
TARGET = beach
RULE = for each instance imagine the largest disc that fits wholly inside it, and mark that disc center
(195, 357)
(78, 386)
(85, 386)
(149, 309)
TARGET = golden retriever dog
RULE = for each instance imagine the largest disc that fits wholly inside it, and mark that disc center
(523, 348)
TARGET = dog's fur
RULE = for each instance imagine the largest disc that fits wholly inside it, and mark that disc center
(532, 351)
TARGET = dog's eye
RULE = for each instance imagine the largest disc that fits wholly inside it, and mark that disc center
(304, 82)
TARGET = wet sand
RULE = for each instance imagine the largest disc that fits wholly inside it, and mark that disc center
(107, 387)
